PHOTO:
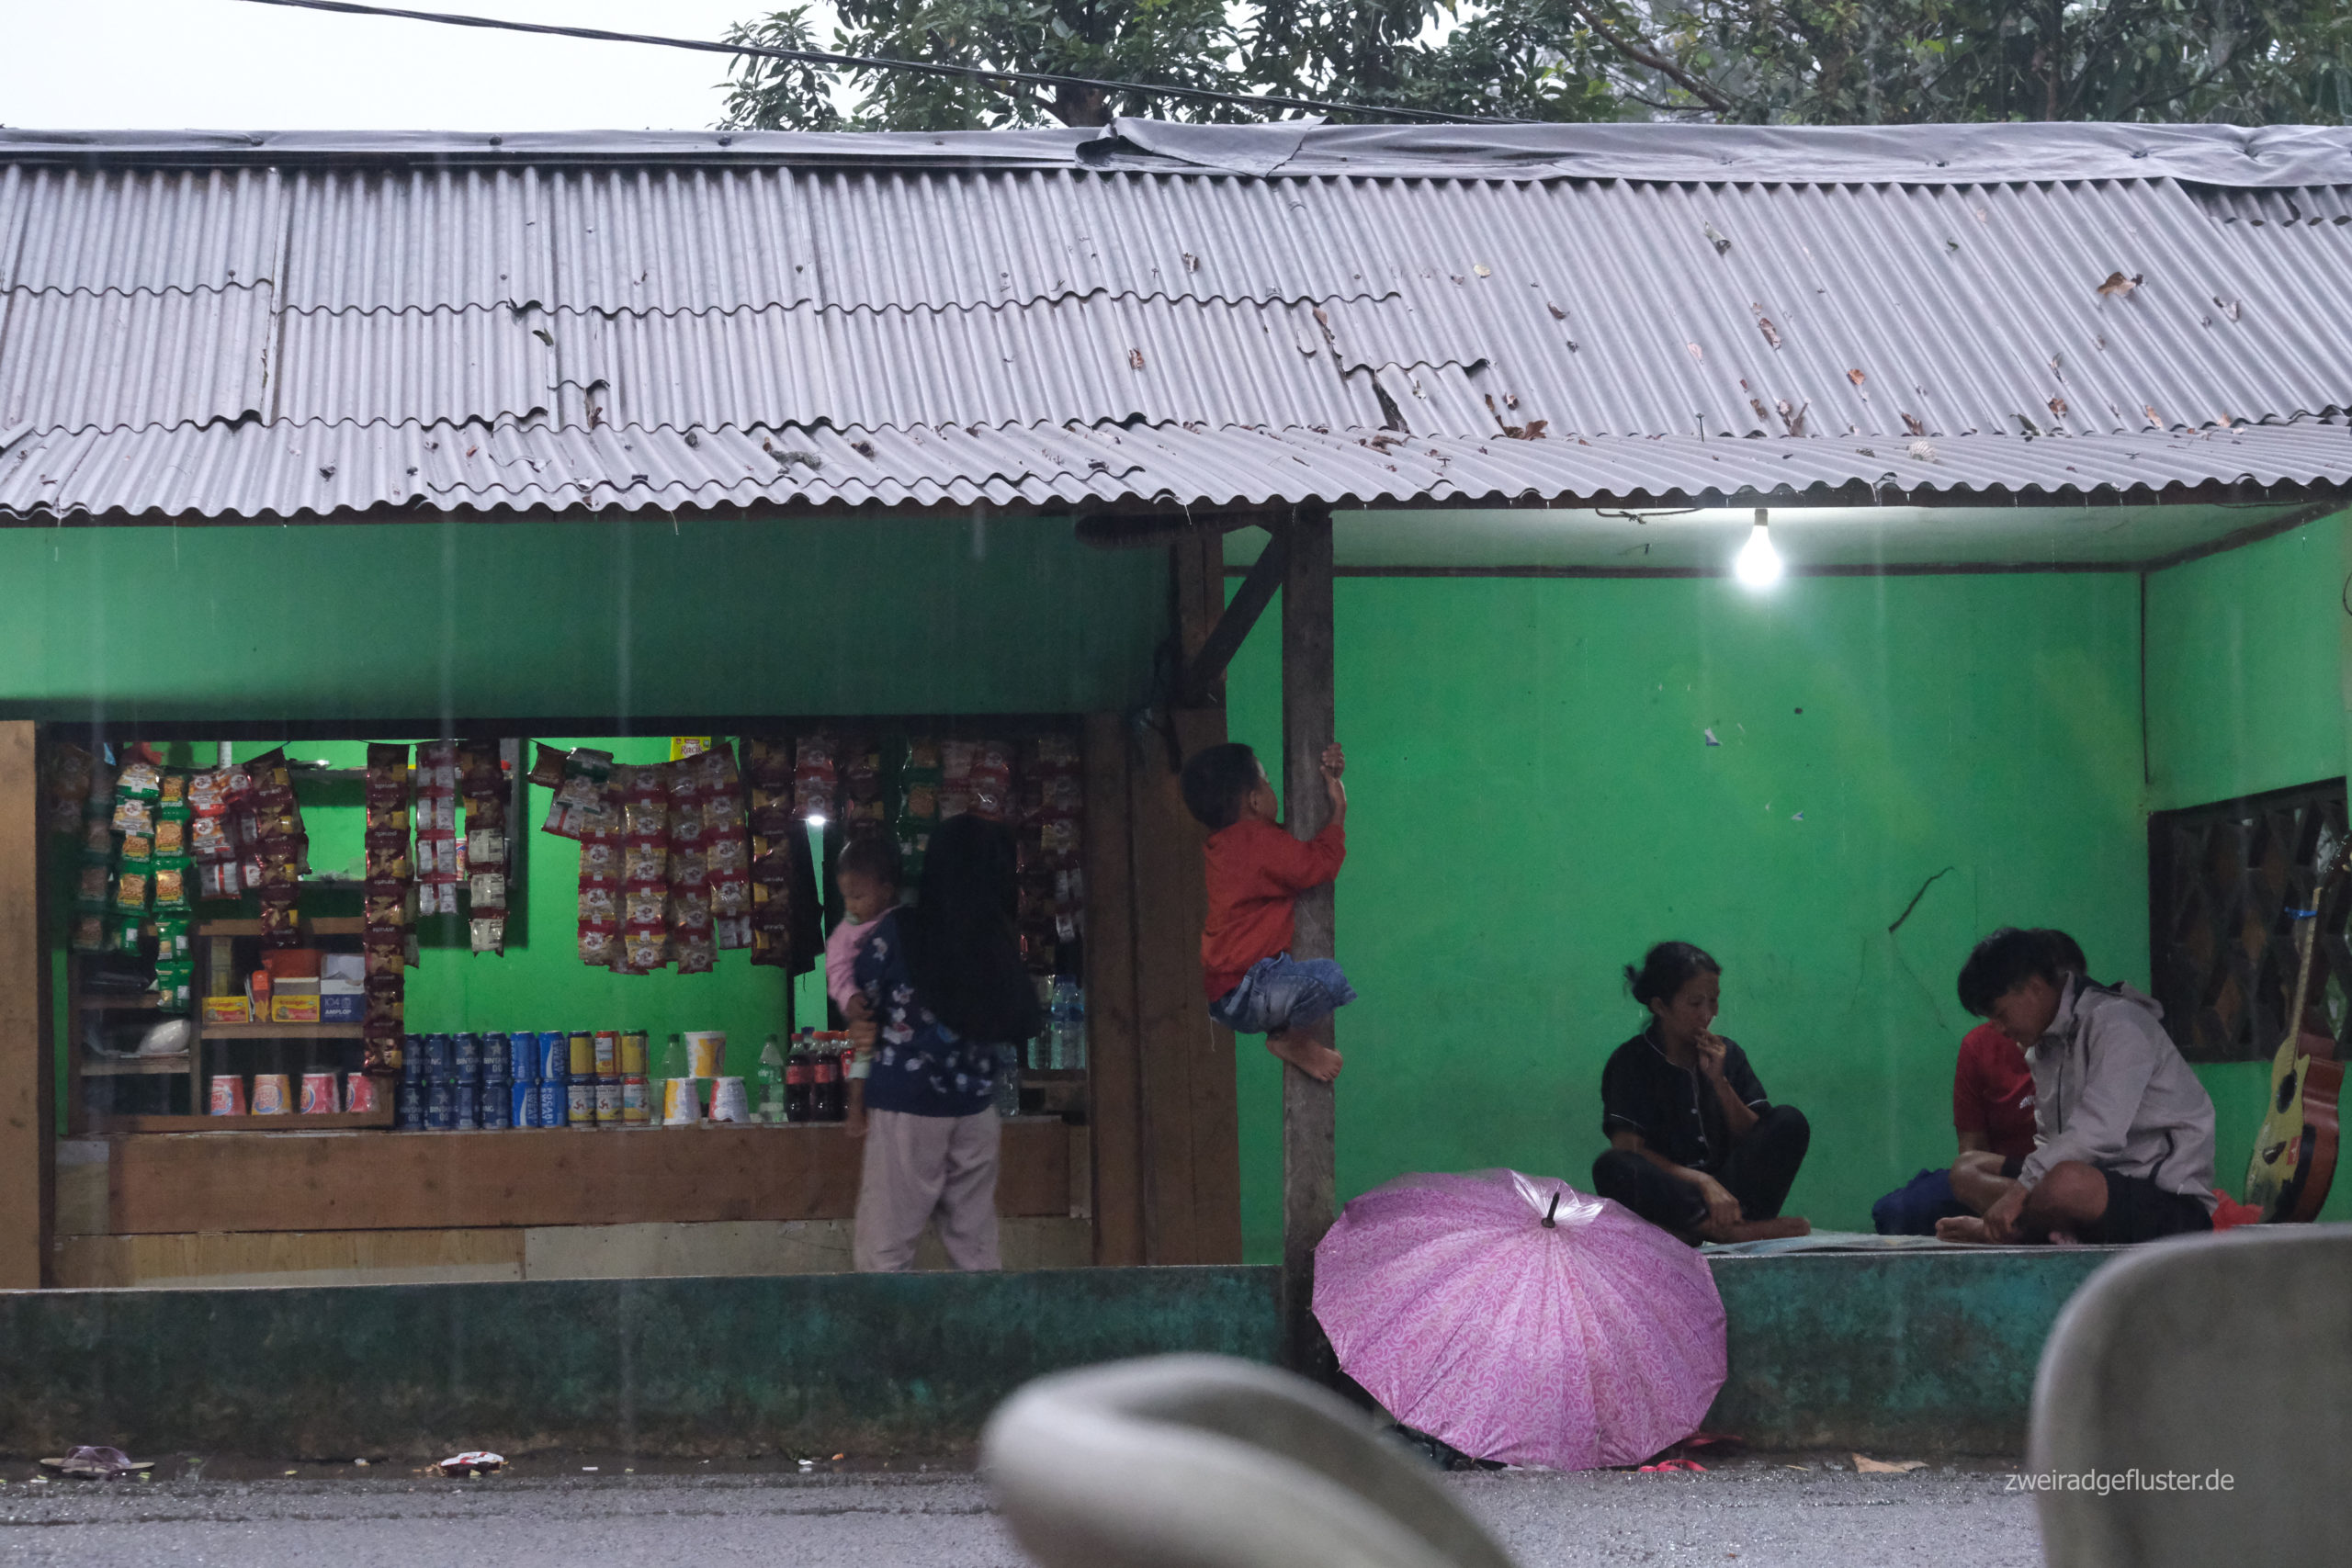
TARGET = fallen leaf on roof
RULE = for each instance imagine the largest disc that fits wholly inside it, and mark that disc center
(1694, 351)
(2117, 285)
(1888, 1466)
(2229, 307)
(1856, 376)
(2058, 407)
(1557, 314)
(1135, 359)
(1772, 333)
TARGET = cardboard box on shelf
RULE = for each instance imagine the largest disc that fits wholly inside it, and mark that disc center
(227, 1009)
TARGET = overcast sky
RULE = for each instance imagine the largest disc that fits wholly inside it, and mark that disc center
(229, 65)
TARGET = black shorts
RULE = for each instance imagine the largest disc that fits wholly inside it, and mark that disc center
(2139, 1210)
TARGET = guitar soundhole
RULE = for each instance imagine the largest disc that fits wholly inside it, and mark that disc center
(2286, 1092)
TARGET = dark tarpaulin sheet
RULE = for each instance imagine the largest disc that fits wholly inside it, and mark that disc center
(2220, 155)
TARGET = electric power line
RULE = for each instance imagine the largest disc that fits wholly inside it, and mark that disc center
(883, 62)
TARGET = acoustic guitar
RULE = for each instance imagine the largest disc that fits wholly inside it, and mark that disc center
(2294, 1155)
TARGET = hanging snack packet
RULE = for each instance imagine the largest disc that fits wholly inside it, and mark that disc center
(814, 777)
(67, 785)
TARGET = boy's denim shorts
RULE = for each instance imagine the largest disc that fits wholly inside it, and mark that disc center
(1282, 992)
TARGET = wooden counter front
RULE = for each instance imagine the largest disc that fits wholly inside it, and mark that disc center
(369, 1180)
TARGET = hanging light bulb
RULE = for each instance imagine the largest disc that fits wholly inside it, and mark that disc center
(1757, 564)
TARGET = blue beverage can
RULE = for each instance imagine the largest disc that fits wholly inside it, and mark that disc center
(468, 1055)
(497, 1103)
(466, 1103)
(440, 1053)
(555, 1057)
(440, 1105)
(494, 1055)
(408, 1105)
(524, 1102)
(523, 1057)
(412, 1058)
(554, 1104)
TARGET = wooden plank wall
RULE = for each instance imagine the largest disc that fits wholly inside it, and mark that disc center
(27, 1093)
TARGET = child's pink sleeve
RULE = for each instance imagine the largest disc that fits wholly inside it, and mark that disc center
(840, 963)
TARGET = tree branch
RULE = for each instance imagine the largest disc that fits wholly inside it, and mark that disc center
(1641, 54)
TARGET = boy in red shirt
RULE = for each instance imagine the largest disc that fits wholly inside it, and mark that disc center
(1256, 872)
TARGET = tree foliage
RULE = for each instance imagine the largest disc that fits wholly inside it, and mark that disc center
(1781, 61)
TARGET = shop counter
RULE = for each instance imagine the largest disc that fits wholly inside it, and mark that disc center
(370, 1180)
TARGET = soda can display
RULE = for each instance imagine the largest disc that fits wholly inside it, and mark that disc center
(440, 1055)
(555, 1057)
(493, 1056)
(228, 1094)
(408, 1106)
(608, 1102)
(413, 1058)
(582, 1057)
(579, 1107)
(466, 1105)
(440, 1105)
(608, 1054)
(362, 1092)
(523, 1057)
(632, 1054)
(320, 1095)
(555, 1100)
(497, 1104)
(466, 1055)
(636, 1102)
(523, 1100)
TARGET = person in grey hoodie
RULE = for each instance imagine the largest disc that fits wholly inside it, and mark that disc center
(2123, 1132)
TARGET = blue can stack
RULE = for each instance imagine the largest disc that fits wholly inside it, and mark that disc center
(497, 1085)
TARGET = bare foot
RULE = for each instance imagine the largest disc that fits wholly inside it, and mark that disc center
(1961, 1227)
(1782, 1229)
(1306, 1052)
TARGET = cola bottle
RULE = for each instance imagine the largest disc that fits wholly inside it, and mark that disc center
(799, 1072)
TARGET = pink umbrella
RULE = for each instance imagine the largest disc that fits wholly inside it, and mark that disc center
(1521, 1320)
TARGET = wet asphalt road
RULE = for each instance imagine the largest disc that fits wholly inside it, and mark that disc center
(1753, 1512)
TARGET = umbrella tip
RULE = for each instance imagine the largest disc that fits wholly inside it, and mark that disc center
(1550, 1222)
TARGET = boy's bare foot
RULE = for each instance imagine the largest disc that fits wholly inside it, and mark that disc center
(1306, 1052)
(1961, 1227)
(1782, 1229)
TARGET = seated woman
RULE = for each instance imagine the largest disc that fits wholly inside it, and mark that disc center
(1695, 1147)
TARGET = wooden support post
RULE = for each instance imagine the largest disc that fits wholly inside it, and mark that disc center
(28, 1102)
(1309, 722)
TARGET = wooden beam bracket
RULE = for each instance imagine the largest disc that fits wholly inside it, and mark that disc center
(1201, 676)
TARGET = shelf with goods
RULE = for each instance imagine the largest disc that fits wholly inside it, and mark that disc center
(106, 1077)
(228, 954)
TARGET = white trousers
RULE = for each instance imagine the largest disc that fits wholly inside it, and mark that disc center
(920, 1165)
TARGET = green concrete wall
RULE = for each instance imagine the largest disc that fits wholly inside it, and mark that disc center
(1913, 1354)
(1535, 801)
(1920, 1354)
(808, 1364)
(574, 620)
(2245, 694)
(2245, 683)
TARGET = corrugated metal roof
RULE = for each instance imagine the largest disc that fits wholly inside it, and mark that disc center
(581, 306)
(287, 469)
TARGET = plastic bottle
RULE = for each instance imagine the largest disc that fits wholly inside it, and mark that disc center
(826, 1102)
(1076, 1027)
(673, 1065)
(797, 1071)
(1059, 1024)
(771, 1083)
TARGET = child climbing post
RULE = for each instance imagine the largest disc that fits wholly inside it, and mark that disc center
(1256, 872)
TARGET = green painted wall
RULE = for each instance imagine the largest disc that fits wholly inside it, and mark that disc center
(2245, 694)
(2244, 680)
(572, 620)
(1535, 801)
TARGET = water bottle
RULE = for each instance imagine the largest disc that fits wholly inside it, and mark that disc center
(1061, 1023)
(1008, 1080)
(1076, 1027)
(770, 1108)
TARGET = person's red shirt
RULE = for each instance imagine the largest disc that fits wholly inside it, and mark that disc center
(1992, 1094)
(1256, 872)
